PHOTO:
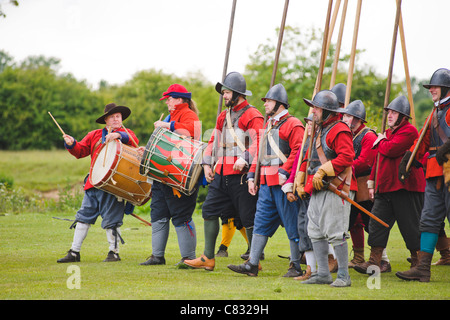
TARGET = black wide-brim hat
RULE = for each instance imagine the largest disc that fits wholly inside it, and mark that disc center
(112, 108)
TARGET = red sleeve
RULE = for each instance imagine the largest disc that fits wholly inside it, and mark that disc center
(304, 162)
(295, 132)
(367, 155)
(82, 148)
(189, 123)
(400, 142)
(341, 141)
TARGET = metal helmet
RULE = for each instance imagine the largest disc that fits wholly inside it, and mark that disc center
(356, 109)
(308, 118)
(325, 99)
(235, 82)
(277, 93)
(440, 78)
(340, 90)
(401, 105)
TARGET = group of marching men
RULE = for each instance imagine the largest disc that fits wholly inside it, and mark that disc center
(266, 172)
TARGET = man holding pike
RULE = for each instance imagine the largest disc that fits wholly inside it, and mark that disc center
(434, 138)
(331, 158)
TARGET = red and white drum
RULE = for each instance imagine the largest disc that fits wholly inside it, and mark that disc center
(173, 159)
(115, 170)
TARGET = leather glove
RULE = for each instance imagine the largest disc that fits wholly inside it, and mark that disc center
(325, 170)
(442, 151)
(299, 182)
(402, 173)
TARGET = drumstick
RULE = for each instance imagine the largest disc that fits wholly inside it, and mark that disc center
(56, 123)
(106, 149)
(162, 115)
(134, 142)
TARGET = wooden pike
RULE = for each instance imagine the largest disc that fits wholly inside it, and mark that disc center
(334, 189)
(272, 82)
(318, 79)
(139, 218)
(388, 84)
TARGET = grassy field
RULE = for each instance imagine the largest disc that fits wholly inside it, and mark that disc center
(30, 244)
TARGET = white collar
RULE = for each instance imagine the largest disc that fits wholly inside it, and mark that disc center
(278, 116)
(436, 104)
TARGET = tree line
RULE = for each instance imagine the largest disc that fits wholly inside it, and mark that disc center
(29, 89)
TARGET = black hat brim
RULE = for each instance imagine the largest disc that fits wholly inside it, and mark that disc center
(125, 111)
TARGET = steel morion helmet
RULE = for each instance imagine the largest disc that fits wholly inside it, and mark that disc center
(277, 93)
(340, 90)
(325, 99)
(401, 105)
(356, 109)
(235, 82)
(440, 78)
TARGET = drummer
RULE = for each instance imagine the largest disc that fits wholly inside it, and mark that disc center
(167, 203)
(95, 201)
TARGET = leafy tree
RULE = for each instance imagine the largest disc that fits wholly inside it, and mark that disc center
(28, 92)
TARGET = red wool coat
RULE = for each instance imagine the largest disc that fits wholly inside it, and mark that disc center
(85, 147)
(251, 121)
(367, 155)
(391, 151)
(339, 139)
(185, 122)
(292, 131)
(433, 167)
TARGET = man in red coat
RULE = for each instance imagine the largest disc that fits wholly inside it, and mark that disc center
(282, 138)
(226, 161)
(437, 196)
(393, 200)
(98, 202)
(330, 161)
(354, 115)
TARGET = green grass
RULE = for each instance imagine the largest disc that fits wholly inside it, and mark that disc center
(43, 170)
(31, 244)
(32, 241)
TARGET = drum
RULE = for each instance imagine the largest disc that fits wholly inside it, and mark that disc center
(115, 170)
(173, 159)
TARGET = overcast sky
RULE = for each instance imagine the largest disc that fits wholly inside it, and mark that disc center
(112, 39)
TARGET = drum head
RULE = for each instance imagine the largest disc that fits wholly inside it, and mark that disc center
(101, 169)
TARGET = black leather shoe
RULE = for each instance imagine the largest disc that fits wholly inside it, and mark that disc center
(112, 257)
(71, 256)
(245, 268)
(153, 260)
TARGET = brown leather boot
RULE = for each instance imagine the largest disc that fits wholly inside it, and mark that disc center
(358, 257)
(306, 275)
(375, 259)
(332, 264)
(414, 259)
(421, 272)
(442, 246)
